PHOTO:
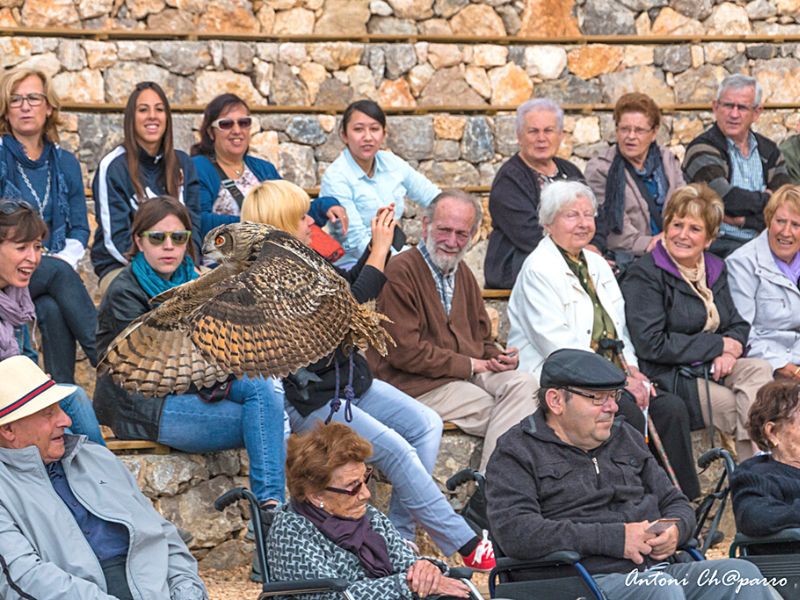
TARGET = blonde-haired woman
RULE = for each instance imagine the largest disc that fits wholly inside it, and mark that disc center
(34, 169)
(405, 434)
(688, 335)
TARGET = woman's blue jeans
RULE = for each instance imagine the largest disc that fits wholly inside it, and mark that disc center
(65, 313)
(250, 417)
(79, 408)
(405, 437)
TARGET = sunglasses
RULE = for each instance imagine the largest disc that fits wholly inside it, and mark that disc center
(597, 399)
(9, 207)
(227, 124)
(356, 487)
(179, 238)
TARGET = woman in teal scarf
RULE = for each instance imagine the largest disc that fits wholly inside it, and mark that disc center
(240, 413)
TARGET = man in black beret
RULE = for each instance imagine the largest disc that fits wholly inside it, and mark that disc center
(572, 477)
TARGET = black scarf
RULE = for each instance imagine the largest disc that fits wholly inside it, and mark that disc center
(614, 205)
(354, 535)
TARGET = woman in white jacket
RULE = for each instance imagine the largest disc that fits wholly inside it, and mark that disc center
(763, 277)
(566, 297)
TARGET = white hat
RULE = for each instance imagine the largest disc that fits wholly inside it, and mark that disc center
(25, 389)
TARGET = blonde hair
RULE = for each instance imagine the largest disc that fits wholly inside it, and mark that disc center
(786, 195)
(12, 79)
(699, 201)
(276, 202)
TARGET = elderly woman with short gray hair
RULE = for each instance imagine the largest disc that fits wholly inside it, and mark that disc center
(566, 297)
(514, 198)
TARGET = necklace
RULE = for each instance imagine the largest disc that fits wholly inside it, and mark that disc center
(236, 171)
(42, 203)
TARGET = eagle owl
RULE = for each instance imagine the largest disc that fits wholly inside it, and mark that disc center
(273, 305)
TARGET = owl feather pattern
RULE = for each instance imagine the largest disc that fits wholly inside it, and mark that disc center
(271, 307)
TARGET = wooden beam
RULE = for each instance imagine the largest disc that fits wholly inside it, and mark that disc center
(372, 38)
(125, 446)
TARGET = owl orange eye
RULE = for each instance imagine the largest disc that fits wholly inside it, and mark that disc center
(219, 240)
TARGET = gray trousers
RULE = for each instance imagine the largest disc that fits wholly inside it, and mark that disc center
(724, 579)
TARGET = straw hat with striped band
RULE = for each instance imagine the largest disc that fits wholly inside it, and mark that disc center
(25, 389)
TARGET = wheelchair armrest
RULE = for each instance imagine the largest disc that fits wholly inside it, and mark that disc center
(791, 534)
(305, 586)
(560, 557)
(460, 572)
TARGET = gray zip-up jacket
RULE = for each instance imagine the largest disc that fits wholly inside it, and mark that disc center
(44, 554)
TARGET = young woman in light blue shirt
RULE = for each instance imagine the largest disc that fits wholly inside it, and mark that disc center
(364, 178)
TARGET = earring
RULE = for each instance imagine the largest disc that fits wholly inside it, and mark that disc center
(322, 505)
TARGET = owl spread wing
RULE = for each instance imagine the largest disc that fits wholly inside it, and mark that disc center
(281, 314)
(288, 309)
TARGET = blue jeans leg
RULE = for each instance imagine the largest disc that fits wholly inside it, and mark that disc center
(251, 417)
(65, 313)
(79, 408)
(388, 419)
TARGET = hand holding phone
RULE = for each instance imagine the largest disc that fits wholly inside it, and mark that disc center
(661, 525)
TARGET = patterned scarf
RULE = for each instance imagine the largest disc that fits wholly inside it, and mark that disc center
(153, 283)
(13, 153)
(696, 278)
(16, 308)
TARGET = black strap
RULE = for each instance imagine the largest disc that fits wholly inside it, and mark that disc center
(655, 211)
(229, 184)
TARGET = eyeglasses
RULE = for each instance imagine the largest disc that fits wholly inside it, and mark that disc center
(227, 124)
(179, 238)
(729, 106)
(636, 131)
(597, 399)
(9, 207)
(356, 487)
(33, 100)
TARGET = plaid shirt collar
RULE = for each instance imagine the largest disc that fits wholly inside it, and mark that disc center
(445, 282)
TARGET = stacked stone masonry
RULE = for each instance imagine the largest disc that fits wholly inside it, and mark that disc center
(427, 17)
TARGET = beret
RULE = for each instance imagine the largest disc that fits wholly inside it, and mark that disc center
(581, 368)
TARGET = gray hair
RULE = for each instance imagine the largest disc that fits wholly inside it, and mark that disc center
(738, 81)
(462, 196)
(539, 105)
(558, 194)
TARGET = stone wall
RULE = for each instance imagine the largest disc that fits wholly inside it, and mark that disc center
(427, 17)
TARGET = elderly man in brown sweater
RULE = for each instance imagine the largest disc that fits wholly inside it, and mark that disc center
(445, 355)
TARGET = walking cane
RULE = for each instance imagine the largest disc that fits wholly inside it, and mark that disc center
(616, 347)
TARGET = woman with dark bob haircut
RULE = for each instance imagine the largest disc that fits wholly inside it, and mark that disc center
(227, 171)
(364, 178)
(635, 177)
(328, 529)
(766, 488)
(22, 232)
(36, 170)
(144, 166)
(688, 335)
(239, 413)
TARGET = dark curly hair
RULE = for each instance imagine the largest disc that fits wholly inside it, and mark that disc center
(312, 457)
(776, 402)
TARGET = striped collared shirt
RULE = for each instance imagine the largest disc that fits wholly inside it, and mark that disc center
(747, 173)
(445, 282)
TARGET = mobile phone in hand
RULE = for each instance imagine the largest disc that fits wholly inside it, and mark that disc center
(660, 526)
(399, 238)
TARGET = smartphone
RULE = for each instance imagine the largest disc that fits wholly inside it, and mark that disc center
(399, 238)
(661, 526)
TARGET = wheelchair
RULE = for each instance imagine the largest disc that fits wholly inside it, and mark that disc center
(776, 556)
(273, 589)
(558, 576)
